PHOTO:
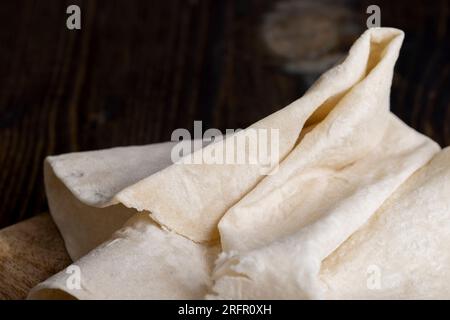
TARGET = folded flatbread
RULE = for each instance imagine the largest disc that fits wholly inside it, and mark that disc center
(355, 204)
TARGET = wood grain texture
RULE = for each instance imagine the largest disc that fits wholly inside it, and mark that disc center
(139, 69)
(30, 252)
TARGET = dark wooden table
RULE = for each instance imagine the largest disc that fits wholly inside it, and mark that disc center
(137, 70)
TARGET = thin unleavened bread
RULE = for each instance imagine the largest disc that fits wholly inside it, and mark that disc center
(81, 189)
(403, 251)
(354, 98)
(326, 207)
(341, 155)
(140, 261)
(115, 248)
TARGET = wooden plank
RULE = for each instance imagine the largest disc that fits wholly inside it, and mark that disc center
(30, 252)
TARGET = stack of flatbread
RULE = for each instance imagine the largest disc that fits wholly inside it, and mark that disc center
(356, 205)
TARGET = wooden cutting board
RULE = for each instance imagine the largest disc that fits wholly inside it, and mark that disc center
(30, 252)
